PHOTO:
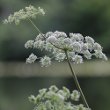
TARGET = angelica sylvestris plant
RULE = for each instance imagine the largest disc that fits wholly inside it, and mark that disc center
(73, 48)
(56, 99)
(23, 14)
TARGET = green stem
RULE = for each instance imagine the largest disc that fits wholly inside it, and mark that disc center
(36, 27)
(40, 31)
(76, 81)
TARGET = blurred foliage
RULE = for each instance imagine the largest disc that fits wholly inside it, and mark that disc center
(80, 16)
(14, 91)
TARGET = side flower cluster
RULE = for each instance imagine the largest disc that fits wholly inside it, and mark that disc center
(27, 13)
(56, 99)
(76, 45)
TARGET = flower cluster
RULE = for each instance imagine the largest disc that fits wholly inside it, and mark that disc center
(75, 45)
(27, 13)
(31, 58)
(56, 99)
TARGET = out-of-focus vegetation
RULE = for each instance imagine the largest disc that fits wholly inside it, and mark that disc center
(13, 96)
(80, 16)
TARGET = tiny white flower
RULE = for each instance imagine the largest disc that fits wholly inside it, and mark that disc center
(50, 94)
(41, 10)
(53, 88)
(60, 56)
(62, 93)
(48, 104)
(52, 39)
(76, 36)
(31, 58)
(84, 47)
(67, 41)
(48, 34)
(56, 51)
(67, 91)
(75, 95)
(71, 55)
(39, 37)
(77, 59)
(49, 47)
(32, 99)
(60, 96)
(89, 40)
(42, 91)
(100, 54)
(39, 44)
(90, 46)
(81, 107)
(97, 46)
(76, 46)
(29, 44)
(87, 54)
(104, 57)
(45, 61)
(60, 34)
(5, 21)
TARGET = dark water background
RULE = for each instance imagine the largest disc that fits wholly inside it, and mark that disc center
(14, 91)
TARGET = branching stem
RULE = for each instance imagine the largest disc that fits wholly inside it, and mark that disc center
(36, 27)
(76, 81)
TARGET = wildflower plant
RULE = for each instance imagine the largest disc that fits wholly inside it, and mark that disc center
(23, 14)
(56, 99)
(73, 47)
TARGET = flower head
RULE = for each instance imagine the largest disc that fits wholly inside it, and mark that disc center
(29, 44)
(51, 39)
(89, 40)
(45, 61)
(76, 45)
(57, 99)
(75, 95)
(27, 13)
(31, 58)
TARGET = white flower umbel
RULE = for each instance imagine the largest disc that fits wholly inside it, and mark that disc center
(56, 99)
(77, 47)
(27, 13)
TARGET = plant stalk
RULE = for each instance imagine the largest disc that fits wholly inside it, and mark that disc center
(36, 27)
(76, 81)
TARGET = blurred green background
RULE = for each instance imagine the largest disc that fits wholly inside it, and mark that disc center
(90, 18)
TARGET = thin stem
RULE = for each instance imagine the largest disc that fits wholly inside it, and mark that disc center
(36, 27)
(76, 81)
(41, 32)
